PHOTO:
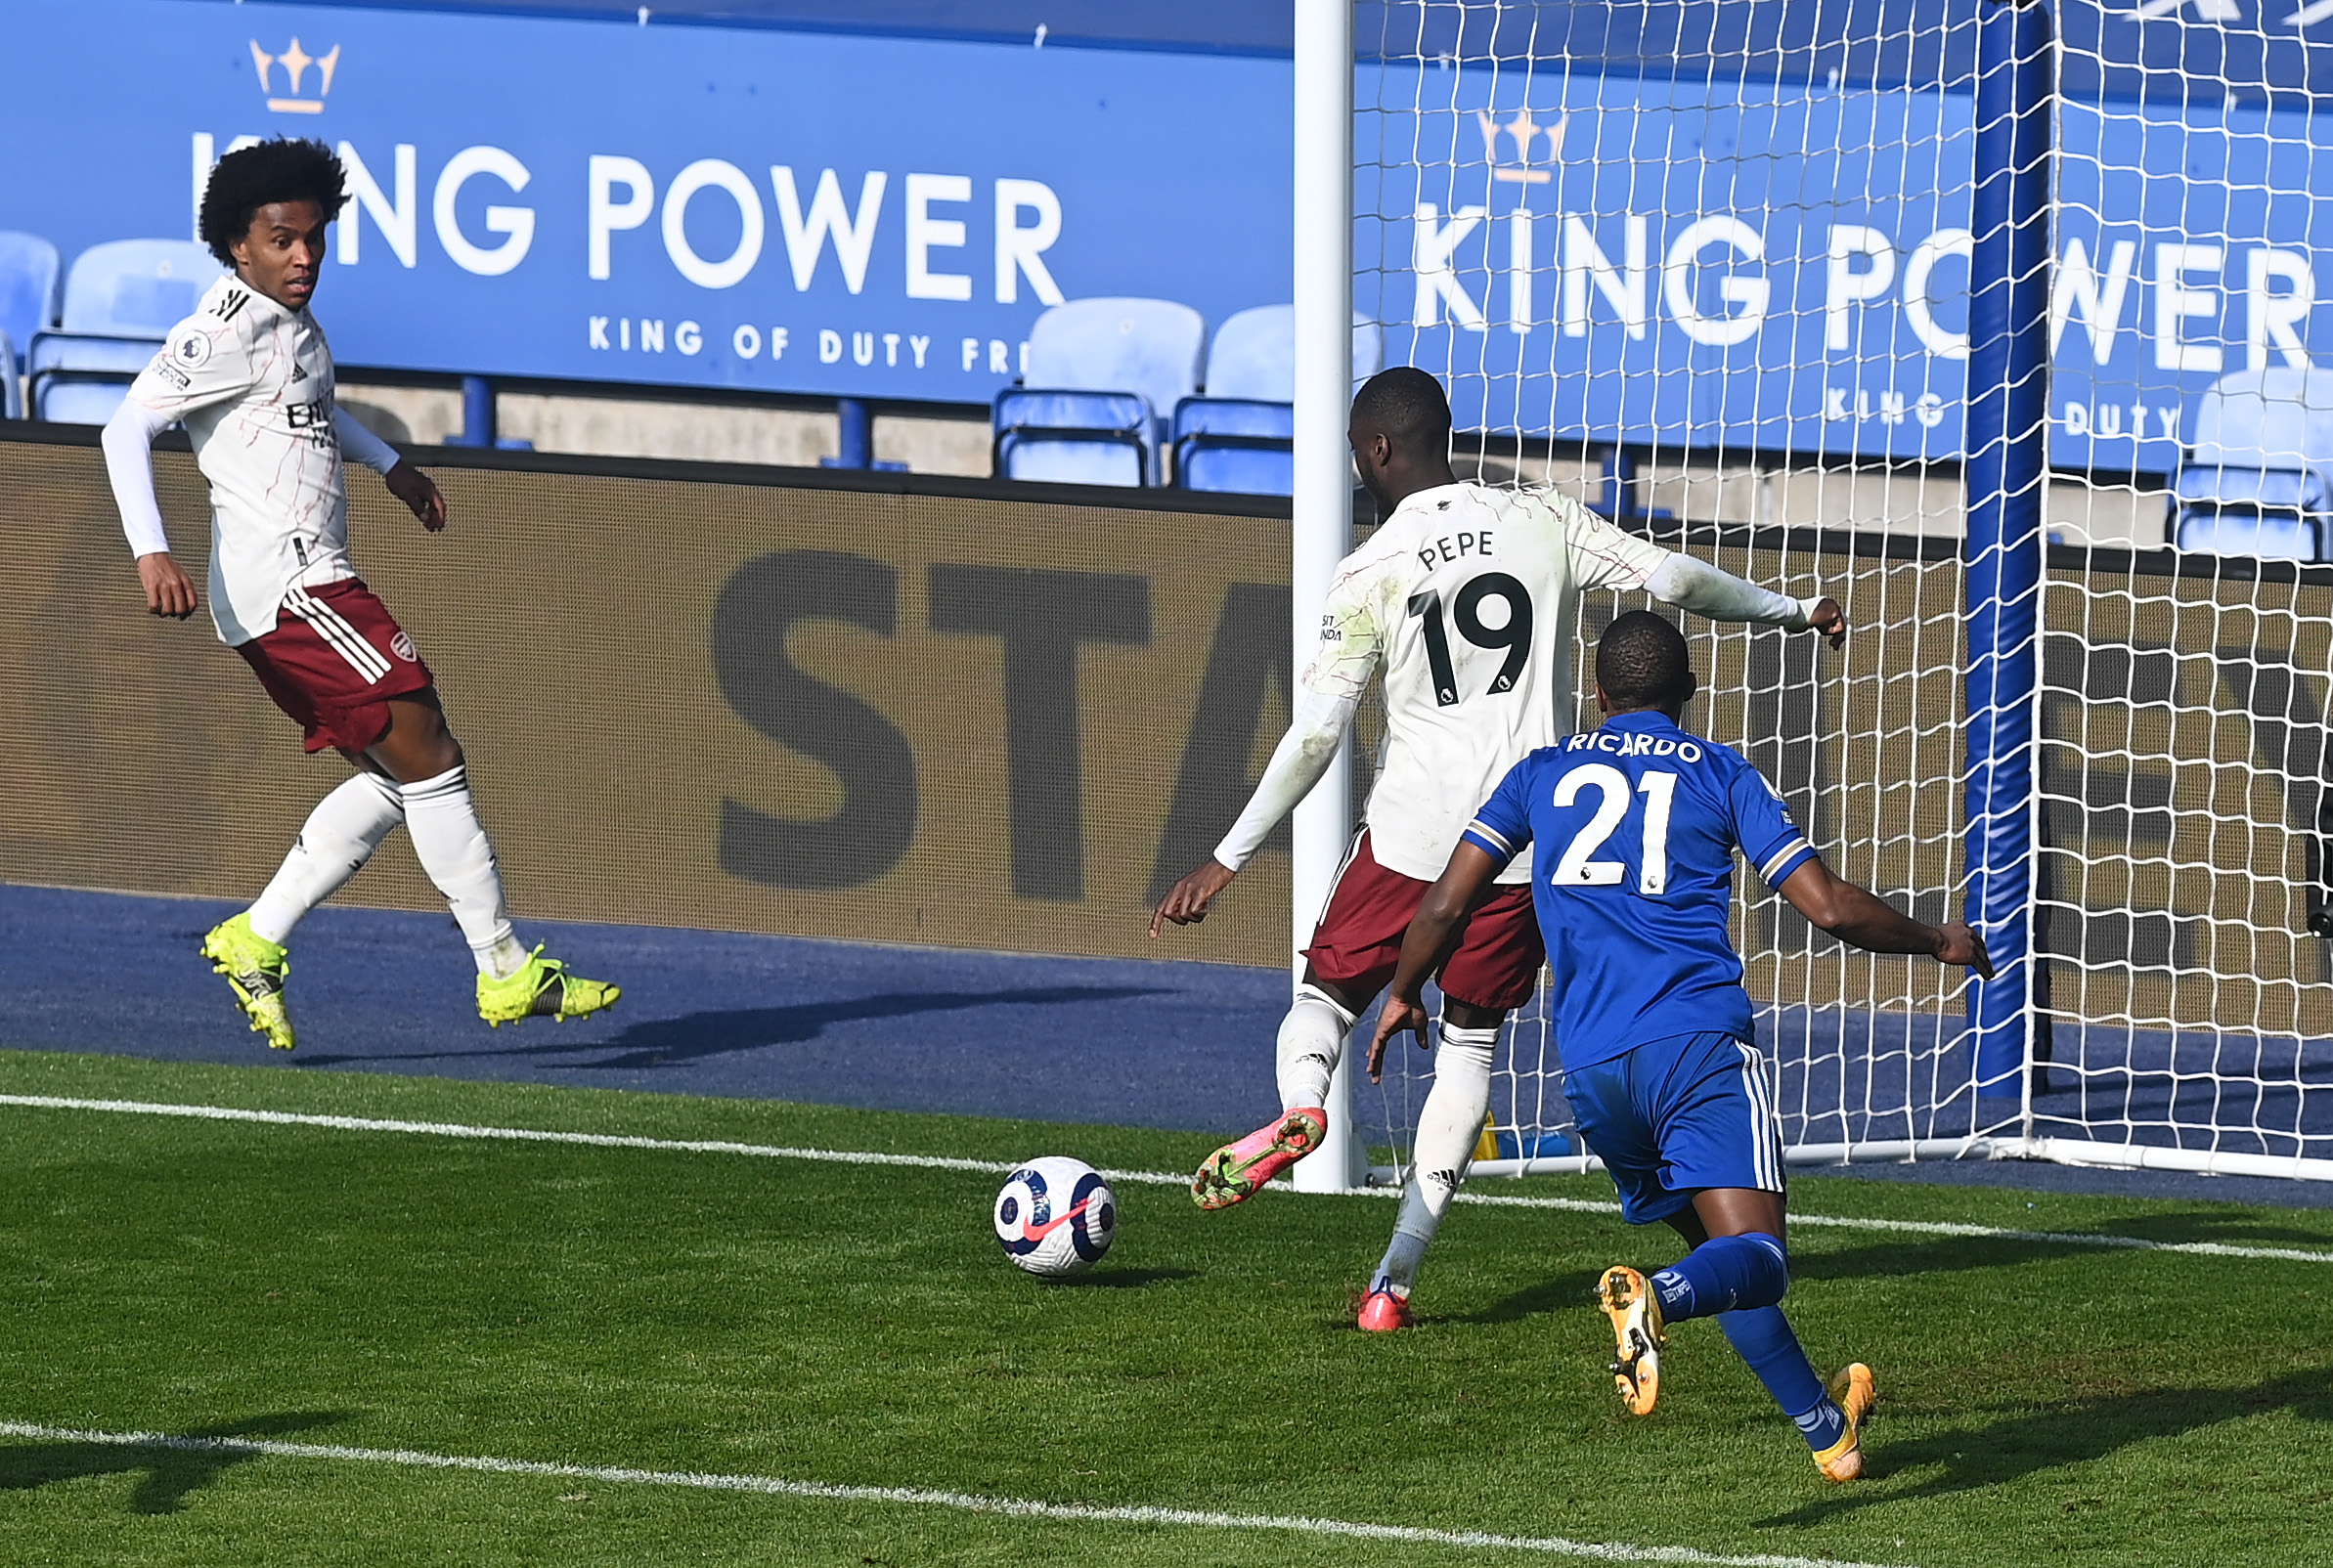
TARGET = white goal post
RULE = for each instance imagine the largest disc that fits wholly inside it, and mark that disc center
(1998, 321)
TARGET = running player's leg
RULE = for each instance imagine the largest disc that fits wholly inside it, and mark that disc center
(421, 752)
(1492, 971)
(1450, 1126)
(1720, 1145)
(1353, 953)
(334, 844)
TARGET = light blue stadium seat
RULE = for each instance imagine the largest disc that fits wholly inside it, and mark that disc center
(1241, 435)
(11, 396)
(29, 274)
(1241, 445)
(2258, 479)
(121, 298)
(1147, 349)
(1073, 438)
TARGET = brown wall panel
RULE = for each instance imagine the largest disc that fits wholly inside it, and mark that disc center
(1008, 689)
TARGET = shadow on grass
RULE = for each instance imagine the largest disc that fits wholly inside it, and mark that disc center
(1566, 1293)
(1122, 1279)
(167, 1474)
(693, 1036)
(1988, 1453)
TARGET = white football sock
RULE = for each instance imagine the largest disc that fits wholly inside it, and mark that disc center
(1450, 1126)
(452, 846)
(1311, 1038)
(338, 837)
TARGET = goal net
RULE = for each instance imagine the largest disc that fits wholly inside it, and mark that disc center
(1722, 270)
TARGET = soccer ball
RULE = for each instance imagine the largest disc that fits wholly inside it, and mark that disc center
(1055, 1215)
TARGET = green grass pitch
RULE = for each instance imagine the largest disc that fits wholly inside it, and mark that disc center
(2040, 1402)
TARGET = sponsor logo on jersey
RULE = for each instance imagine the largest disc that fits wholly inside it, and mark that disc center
(299, 375)
(173, 375)
(190, 349)
(403, 647)
(232, 301)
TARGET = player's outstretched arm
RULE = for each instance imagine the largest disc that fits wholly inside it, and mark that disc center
(1433, 931)
(1855, 917)
(1298, 762)
(1696, 585)
(128, 444)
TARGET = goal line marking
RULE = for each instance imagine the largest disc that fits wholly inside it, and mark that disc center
(965, 1501)
(1155, 1178)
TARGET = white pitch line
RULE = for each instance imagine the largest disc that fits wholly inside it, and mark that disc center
(965, 1501)
(1155, 1178)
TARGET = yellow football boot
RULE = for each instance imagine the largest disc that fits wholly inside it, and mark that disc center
(1854, 1392)
(541, 989)
(255, 968)
(1635, 1310)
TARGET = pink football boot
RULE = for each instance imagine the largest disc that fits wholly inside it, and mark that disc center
(1383, 1312)
(1234, 1172)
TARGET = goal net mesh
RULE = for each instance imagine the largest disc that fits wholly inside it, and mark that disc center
(1707, 267)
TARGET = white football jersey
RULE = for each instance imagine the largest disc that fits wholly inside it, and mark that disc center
(253, 384)
(1468, 596)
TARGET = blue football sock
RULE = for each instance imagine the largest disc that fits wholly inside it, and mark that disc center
(1724, 1273)
(1763, 1337)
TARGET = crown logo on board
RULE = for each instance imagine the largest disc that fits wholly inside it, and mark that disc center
(1523, 130)
(296, 61)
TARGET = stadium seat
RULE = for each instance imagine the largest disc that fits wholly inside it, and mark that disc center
(1239, 445)
(1073, 438)
(30, 273)
(2258, 479)
(121, 298)
(1241, 435)
(1148, 349)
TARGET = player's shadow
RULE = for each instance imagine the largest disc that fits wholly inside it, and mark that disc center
(1566, 1293)
(693, 1036)
(662, 1042)
(166, 1475)
(1120, 1279)
(1986, 1453)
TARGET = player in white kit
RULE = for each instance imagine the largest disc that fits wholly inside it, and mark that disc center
(1466, 599)
(252, 378)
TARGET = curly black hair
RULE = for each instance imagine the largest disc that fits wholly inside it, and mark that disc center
(1642, 661)
(279, 170)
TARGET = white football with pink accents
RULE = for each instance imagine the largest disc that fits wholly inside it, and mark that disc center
(1055, 1215)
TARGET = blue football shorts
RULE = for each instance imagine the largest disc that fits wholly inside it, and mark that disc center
(1671, 1116)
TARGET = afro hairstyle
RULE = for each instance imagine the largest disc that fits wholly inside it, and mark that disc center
(1642, 661)
(253, 177)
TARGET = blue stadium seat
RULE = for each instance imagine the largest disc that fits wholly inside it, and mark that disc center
(1241, 445)
(2258, 479)
(30, 273)
(11, 396)
(1073, 438)
(121, 299)
(1147, 349)
(1241, 436)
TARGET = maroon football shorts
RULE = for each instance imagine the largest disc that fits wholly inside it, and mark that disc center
(335, 659)
(1357, 944)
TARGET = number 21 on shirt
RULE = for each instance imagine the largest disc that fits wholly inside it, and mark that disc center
(1578, 866)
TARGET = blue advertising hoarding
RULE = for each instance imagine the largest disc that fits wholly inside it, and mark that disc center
(758, 210)
(1761, 267)
(1772, 265)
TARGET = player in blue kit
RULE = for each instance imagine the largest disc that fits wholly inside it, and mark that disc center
(1637, 823)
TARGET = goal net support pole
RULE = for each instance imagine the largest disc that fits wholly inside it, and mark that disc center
(1322, 532)
(2007, 474)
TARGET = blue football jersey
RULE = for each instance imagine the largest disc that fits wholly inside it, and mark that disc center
(1636, 824)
